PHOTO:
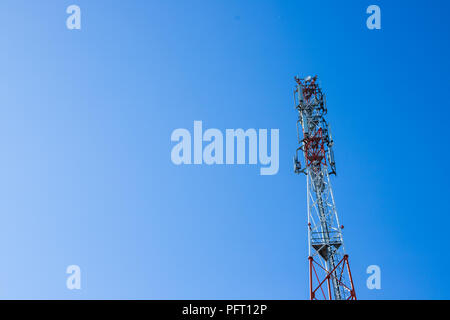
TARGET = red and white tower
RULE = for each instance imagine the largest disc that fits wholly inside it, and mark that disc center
(329, 270)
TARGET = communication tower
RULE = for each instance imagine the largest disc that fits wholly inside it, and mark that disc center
(329, 270)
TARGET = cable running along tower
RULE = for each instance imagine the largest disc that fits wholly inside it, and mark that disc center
(329, 270)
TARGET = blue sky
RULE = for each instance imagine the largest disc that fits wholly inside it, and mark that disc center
(85, 124)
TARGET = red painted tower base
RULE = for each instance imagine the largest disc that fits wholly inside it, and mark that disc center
(320, 280)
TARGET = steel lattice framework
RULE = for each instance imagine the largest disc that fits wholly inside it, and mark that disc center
(329, 270)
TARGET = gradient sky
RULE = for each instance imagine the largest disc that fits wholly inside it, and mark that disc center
(85, 124)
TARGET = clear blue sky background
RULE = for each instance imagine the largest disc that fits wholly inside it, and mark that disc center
(85, 124)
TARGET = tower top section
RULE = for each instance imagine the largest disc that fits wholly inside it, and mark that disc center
(313, 131)
(309, 88)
